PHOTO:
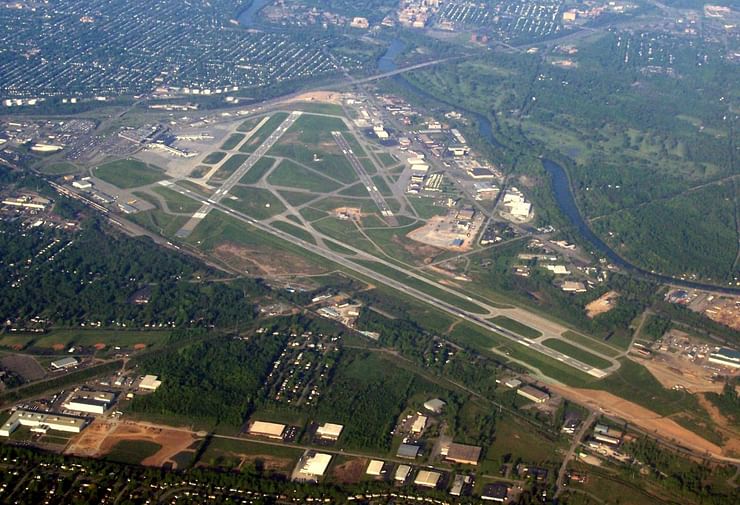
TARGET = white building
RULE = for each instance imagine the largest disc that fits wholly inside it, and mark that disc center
(725, 357)
(63, 363)
(315, 465)
(42, 421)
(150, 383)
(90, 402)
(375, 468)
(329, 431)
(425, 478)
(265, 429)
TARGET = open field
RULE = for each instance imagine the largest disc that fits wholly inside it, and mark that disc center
(516, 327)
(80, 337)
(232, 141)
(290, 175)
(590, 343)
(127, 174)
(175, 201)
(25, 366)
(265, 130)
(576, 352)
(256, 202)
(133, 452)
(235, 454)
(214, 157)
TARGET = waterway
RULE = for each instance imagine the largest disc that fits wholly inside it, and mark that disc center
(560, 184)
(247, 17)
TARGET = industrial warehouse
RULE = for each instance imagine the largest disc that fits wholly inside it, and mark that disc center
(41, 422)
(90, 402)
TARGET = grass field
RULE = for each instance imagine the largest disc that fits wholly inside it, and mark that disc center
(256, 202)
(233, 141)
(516, 327)
(229, 453)
(230, 165)
(294, 230)
(79, 337)
(132, 452)
(59, 168)
(636, 383)
(265, 131)
(248, 124)
(576, 352)
(129, 173)
(177, 202)
(425, 207)
(590, 343)
(290, 175)
(214, 157)
(357, 189)
(387, 160)
(519, 440)
(297, 198)
(258, 171)
(159, 222)
(318, 108)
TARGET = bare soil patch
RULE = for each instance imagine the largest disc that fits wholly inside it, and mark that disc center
(58, 347)
(318, 96)
(640, 416)
(269, 262)
(350, 472)
(25, 366)
(672, 371)
(101, 436)
(602, 304)
(99, 346)
(139, 346)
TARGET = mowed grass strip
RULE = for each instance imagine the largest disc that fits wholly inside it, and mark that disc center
(214, 157)
(576, 352)
(132, 452)
(290, 175)
(233, 141)
(177, 202)
(258, 171)
(230, 165)
(256, 202)
(265, 131)
(516, 327)
(126, 174)
(591, 343)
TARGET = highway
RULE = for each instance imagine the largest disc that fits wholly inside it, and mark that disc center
(234, 178)
(400, 286)
(372, 189)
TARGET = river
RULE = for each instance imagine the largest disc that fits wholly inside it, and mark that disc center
(560, 184)
(246, 17)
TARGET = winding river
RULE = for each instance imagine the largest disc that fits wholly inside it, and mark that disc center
(560, 185)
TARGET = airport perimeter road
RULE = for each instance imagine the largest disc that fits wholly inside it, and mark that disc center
(471, 317)
(385, 210)
(234, 178)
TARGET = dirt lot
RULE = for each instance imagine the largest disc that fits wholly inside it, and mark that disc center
(101, 436)
(267, 262)
(25, 366)
(440, 232)
(318, 96)
(350, 472)
(641, 417)
(602, 304)
(671, 371)
(351, 212)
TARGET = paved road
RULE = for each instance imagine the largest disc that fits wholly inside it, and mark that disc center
(469, 316)
(372, 189)
(572, 450)
(234, 178)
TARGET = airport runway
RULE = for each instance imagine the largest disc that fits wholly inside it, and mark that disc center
(234, 178)
(400, 286)
(372, 189)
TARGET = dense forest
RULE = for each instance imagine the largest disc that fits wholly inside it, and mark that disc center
(216, 381)
(89, 277)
